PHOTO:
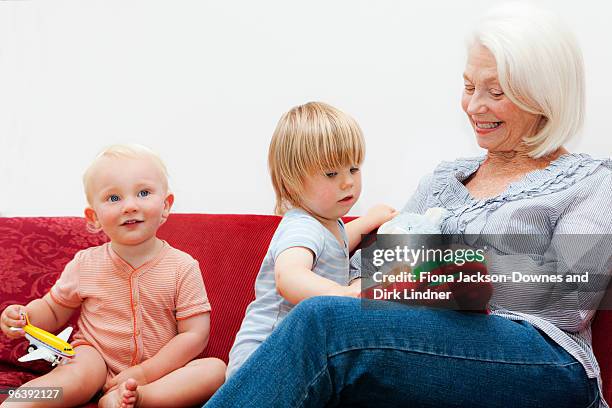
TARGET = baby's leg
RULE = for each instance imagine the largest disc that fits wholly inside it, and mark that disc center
(190, 385)
(80, 379)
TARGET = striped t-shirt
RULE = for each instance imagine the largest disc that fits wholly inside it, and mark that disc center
(296, 229)
(128, 314)
(572, 196)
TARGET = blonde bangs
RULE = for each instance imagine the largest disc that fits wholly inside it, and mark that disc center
(310, 138)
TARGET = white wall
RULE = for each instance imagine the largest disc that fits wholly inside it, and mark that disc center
(204, 83)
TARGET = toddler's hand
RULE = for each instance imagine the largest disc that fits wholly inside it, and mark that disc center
(136, 372)
(348, 291)
(379, 214)
(13, 316)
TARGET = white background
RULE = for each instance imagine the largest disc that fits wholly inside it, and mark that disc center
(204, 83)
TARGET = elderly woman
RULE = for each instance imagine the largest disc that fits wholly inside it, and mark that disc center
(523, 96)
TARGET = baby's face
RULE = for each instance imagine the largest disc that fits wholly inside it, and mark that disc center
(129, 199)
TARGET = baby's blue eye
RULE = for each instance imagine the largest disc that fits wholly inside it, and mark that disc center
(331, 174)
(113, 198)
(354, 170)
(143, 193)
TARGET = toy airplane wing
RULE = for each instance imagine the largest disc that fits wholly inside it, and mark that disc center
(38, 354)
(65, 333)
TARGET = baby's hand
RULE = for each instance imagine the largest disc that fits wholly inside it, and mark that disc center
(379, 214)
(13, 317)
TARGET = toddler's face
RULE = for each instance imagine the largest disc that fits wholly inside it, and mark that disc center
(129, 199)
(331, 195)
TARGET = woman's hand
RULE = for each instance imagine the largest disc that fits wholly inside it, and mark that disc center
(13, 317)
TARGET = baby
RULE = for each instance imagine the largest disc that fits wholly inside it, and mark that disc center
(314, 159)
(144, 311)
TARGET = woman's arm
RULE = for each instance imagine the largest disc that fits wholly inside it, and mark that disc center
(580, 246)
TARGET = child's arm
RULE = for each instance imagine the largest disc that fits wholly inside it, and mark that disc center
(189, 343)
(374, 218)
(295, 280)
(44, 313)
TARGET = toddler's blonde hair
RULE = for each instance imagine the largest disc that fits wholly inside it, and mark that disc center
(131, 151)
(310, 138)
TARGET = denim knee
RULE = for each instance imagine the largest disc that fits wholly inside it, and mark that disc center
(318, 315)
(325, 307)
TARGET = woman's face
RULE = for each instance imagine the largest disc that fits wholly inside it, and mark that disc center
(498, 123)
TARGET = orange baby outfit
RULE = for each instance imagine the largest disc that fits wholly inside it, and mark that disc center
(129, 314)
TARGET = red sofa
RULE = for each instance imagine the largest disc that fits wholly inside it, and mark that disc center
(230, 248)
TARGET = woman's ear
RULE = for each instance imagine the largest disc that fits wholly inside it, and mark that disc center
(167, 206)
(93, 225)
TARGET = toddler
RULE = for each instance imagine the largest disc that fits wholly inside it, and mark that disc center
(144, 311)
(314, 160)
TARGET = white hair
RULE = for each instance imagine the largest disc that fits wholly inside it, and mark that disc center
(539, 67)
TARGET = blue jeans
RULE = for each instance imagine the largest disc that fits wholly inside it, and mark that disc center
(330, 351)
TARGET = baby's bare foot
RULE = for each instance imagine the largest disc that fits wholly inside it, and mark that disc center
(129, 394)
(126, 396)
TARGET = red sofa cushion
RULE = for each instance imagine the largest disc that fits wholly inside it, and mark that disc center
(33, 252)
(602, 346)
(230, 249)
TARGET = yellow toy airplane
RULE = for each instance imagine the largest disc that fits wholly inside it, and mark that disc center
(46, 346)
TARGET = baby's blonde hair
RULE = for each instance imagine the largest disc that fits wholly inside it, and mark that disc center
(131, 151)
(310, 138)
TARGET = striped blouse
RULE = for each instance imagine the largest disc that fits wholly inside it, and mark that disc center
(572, 196)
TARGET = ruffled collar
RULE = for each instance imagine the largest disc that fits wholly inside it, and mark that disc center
(560, 174)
